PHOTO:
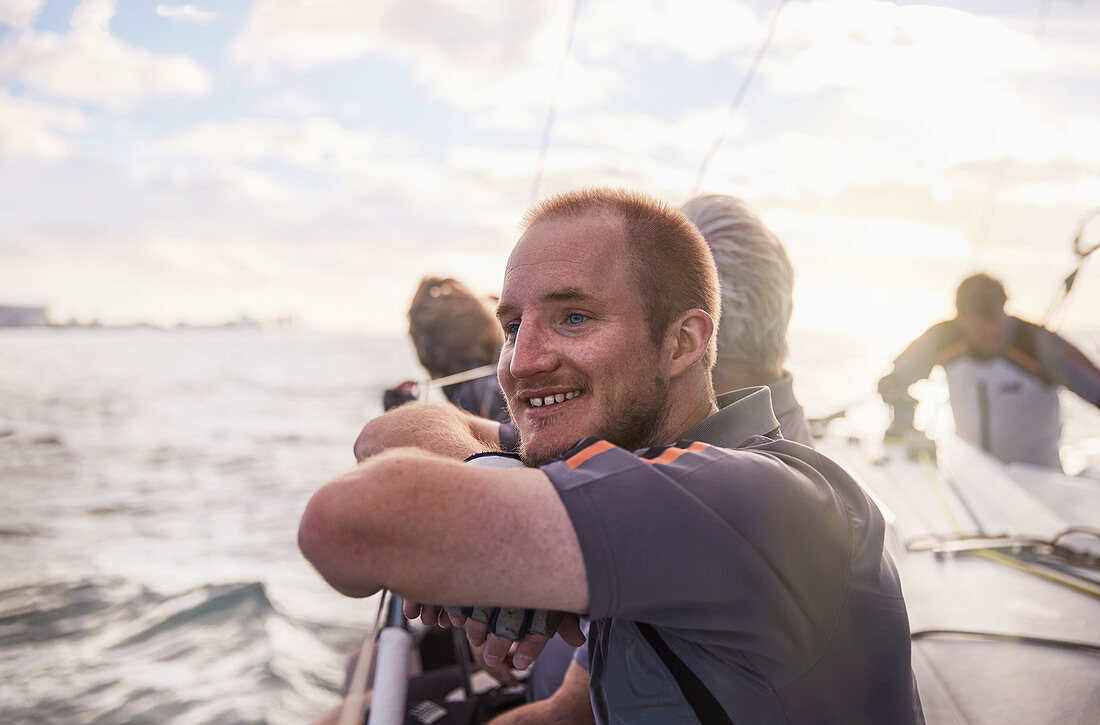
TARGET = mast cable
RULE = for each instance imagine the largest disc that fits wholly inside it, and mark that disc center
(552, 113)
(740, 96)
(1057, 304)
(985, 222)
(357, 683)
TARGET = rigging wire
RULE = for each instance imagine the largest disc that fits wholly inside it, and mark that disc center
(1082, 252)
(552, 113)
(1031, 566)
(426, 386)
(1009, 638)
(740, 96)
(996, 182)
(350, 712)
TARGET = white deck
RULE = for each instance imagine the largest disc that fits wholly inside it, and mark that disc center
(974, 680)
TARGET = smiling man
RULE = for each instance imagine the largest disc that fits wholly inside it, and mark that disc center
(728, 574)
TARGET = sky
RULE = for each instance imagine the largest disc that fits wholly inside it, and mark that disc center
(196, 162)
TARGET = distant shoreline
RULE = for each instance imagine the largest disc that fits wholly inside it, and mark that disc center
(239, 325)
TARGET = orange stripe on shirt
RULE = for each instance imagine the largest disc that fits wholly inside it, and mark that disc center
(593, 450)
(673, 453)
(1025, 361)
(950, 352)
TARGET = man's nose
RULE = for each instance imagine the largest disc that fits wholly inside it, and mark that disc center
(532, 352)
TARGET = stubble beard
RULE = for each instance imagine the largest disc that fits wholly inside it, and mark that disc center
(634, 424)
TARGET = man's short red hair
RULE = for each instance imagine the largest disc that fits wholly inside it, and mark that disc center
(670, 260)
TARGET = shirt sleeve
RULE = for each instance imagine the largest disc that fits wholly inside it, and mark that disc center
(1069, 366)
(914, 363)
(732, 542)
(580, 654)
(509, 437)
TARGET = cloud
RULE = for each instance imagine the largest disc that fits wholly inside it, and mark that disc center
(20, 12)
(92, 204)
(186, 13)
(449, 48)
(304, 34)
(495, 62)
(880, 48)
(697, 30)
(89, 64)
(871, 135)
(939, 84)
(900, 94)
(350, 168)
(92, 17)
(32, 129)
(294, 102)
(314, 143)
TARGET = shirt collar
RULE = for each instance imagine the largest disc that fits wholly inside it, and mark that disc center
(783, 401)
(742, 414)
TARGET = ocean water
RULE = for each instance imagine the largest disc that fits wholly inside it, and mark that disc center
(150, 488)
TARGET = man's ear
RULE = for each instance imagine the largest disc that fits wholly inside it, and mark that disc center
(689, 337)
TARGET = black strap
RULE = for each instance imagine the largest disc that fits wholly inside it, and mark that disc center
(701, 700)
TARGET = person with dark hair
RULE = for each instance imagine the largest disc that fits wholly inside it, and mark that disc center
(727, 574)
(1003, 376)
(453, 332)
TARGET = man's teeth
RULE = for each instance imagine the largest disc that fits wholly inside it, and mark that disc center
(551, 399)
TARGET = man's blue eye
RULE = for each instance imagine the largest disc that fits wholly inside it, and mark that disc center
(576, 318)
(511, 328)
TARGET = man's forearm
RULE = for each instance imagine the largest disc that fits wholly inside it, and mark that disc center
(417, 523)
(344, 523)
(533, 713)
(440, 428)
(570, 704)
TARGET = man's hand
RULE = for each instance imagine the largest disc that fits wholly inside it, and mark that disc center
(498, 653)
(499, 650)
(437, 427)
(430, 614)
(570, 704)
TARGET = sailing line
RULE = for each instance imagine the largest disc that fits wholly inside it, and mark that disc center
(552, 113)
(740, 96)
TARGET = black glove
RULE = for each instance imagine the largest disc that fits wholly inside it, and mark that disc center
(403, 393)
(512, 622)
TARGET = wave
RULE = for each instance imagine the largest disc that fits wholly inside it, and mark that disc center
(31, 437)
(18, 530)
(111, 651)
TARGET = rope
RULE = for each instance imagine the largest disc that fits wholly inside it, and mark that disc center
(737, 99)
(1079, 249)
(932, 475)
(1045, 572)
(553, 112)
(1034, 568)
(1010, 638)
(349, 710)
(981, 235)
(472, 374)
(1082, 252)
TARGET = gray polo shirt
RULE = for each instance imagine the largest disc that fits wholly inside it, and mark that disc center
(791, 417)
(758, 561)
